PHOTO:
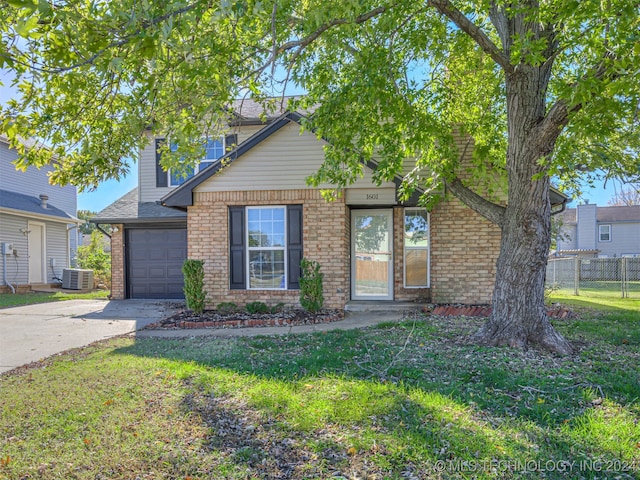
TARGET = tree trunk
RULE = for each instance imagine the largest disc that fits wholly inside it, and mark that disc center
(519, 316)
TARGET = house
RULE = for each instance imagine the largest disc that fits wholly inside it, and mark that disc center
(592, 231)
(251, 216)
(38, 224)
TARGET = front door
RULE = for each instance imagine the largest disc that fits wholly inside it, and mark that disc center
(37, 261)
(372, 254)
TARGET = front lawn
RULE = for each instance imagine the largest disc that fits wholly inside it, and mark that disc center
(405, 401)
(15, 300)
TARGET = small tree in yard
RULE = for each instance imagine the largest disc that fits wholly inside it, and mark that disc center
(93, 257)
(311, 295)
(194, 294)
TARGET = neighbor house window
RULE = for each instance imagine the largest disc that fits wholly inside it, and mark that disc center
(604, 233)
(416, 248)
(213, 150)
(265, 247)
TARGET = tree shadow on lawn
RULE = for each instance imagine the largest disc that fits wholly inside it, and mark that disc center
(402, 397)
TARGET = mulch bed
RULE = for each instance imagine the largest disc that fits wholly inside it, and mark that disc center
(215, 319)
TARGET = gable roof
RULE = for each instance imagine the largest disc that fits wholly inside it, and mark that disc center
(608, 214)
(182, 196)
(127, 209)
(29, 205)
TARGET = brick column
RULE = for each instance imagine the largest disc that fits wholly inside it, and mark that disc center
(117, 263)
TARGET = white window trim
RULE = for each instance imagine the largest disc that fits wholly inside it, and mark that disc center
(196, 168)
(600, 232)
(249, 249)
(405, 248)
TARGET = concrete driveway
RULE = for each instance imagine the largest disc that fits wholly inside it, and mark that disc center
(32, 332)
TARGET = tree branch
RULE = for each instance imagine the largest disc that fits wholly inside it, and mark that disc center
(306, 41)
(446, 8)
(126, 39)
(489, 210)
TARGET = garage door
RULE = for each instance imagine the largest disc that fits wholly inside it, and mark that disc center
(154, 258)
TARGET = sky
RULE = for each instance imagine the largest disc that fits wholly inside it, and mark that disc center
(111, 190)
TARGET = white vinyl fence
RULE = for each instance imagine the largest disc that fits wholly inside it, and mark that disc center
(596, 277)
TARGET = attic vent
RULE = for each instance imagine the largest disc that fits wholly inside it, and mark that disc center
(77, 279)
(43, 200)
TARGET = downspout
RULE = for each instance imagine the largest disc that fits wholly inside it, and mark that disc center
(4, 268)
(102, 230)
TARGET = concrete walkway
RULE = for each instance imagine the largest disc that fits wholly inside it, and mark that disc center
(32, 332)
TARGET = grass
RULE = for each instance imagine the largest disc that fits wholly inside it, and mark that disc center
(409, 400)
(14, 300)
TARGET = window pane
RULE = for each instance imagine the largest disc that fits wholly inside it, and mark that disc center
(179, 179)
(265, 230)
(266, 269)
(416, 228)
(213, 150)
(415, 264)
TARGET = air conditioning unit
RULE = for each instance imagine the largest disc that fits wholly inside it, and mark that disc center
(77, 279)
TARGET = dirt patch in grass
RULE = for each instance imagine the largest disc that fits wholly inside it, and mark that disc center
(215, 319)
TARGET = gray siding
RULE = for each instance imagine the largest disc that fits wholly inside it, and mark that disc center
(625, 239)
(56, 240)
(569, 242)
(17, 266)
(587, 232)
(34, 182)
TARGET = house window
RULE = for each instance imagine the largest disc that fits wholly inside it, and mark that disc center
(213, 150)
(265, 247)
(604, 233)
(416, 248)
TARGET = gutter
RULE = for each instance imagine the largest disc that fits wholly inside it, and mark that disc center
(563, 207)
(104, 232)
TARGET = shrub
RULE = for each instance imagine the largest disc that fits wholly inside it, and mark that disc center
(257, 307)
(278, 307)
(227, 307)
(93, 257)
(194, 293)
(311, 296)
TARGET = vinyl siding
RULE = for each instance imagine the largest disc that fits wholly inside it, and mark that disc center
(17, 267)
(625, 239)
(34, 182)
(281, 162)
(246, 131)
(587, 230)
(56, 241)
(57, 247)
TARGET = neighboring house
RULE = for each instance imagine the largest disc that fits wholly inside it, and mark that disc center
(602, 232)
(38, 226)
(251, 217)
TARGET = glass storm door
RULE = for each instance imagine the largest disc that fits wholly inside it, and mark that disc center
(372, 254)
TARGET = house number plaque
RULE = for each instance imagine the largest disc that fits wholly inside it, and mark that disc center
(366, 196)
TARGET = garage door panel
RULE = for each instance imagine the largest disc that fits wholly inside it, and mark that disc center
(155, 257)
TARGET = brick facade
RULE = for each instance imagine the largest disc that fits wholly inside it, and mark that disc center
(464, 250)
(325, 235)
(117, 263)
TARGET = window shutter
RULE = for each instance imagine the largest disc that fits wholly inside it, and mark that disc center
(294, 245)
(230, 142)
(237, 273)
(161, 174)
